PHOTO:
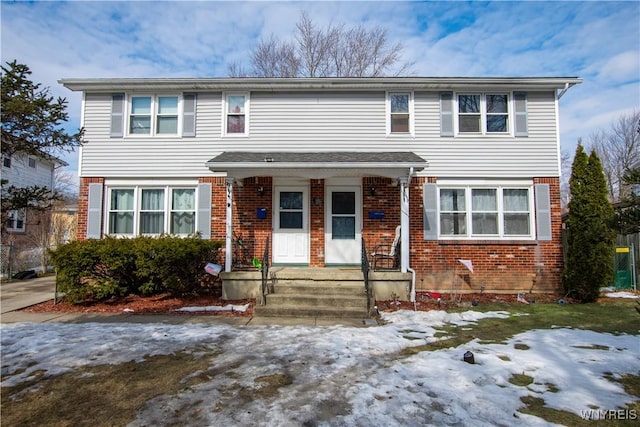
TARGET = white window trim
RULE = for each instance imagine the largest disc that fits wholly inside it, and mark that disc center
(483, 115)
(11, 216)
(137, 205)
(154, 115)
(412, 126)
(481, 184)
(225, 112)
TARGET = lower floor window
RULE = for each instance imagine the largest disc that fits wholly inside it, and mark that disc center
(15, 220)
(134, 211)
(485, 212)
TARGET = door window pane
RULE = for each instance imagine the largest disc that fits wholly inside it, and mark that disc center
(343, 227)
(291, 200)
(343, 210)
(343, 202)
(291, 220)
(291, 210)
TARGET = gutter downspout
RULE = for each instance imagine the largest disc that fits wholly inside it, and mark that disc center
(228, 250)
(405, 235)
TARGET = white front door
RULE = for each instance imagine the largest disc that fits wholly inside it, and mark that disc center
(291, 225)
(343, 229)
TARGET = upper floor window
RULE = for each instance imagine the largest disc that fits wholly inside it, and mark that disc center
(6, 161)
(236, 108)
(15, 220)
(483, 113)
(32, 162)
(153, 113)
(399, 108)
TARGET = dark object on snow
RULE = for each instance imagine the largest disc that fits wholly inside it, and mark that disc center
(25, 275)
(468, 357)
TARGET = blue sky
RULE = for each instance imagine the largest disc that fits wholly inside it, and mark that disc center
(596, 41)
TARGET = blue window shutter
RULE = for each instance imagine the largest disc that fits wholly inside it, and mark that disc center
(117, 115)
(94, 211)
(430, 206)
(520, 106)
(543, 211)
(189, 114)
(446, 113)
(204, 210)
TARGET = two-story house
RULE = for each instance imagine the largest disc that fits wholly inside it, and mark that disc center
(467, 167)
(26, 229)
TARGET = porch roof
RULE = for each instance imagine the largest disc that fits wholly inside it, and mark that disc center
(317, 165)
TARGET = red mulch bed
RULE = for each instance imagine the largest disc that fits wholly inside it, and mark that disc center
(156, 304)
(167, 304)
(430, 301)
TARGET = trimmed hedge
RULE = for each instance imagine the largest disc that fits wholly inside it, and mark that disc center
(100, 269)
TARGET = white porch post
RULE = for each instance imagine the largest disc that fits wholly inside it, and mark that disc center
(404, 224)
(229, 227)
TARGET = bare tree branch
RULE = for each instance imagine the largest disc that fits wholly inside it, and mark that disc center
(332, 52)
(619, 150)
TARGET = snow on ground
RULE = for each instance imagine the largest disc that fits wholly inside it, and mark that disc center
(621, 294)
(342, 375)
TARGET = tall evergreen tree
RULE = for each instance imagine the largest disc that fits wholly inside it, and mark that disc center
(32, 125)
(590, 238)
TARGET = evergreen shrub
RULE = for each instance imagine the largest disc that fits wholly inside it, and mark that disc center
(100, 269)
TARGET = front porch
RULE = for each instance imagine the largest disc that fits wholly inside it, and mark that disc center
(315, 292)
(314, 209)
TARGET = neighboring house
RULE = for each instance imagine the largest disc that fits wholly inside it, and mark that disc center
(23, 228)
(469, 167)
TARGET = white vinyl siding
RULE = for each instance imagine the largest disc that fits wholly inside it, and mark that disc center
(25, 171)
(322, 121)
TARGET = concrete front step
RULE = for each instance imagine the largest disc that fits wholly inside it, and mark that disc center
(319, 288)
(279, 273)
(328, 301)
(315, 292)
(298, 311)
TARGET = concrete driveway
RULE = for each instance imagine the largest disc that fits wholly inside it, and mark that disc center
(19, 294)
